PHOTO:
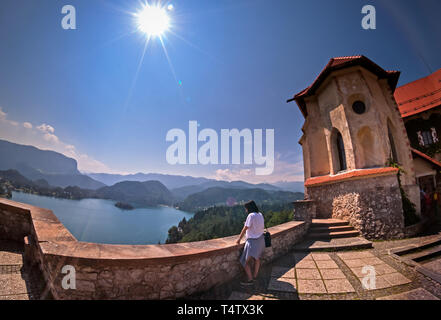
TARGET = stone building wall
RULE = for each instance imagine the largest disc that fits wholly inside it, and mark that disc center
(130, 271)
(366, 136)
(372, 205)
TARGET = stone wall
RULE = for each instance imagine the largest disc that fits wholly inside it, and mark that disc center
(371, 204)
(14, 223)
(130, 271)
(304, 210)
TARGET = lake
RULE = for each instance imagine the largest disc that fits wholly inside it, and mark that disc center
(96, 220)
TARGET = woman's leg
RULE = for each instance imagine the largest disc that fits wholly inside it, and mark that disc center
(248, 269)
(256, 267)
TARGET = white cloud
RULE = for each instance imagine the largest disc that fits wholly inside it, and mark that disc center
(27, 125)
(283, 171)
(43, 137)
(46, 128)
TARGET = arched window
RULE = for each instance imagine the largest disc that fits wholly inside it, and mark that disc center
(341, 152)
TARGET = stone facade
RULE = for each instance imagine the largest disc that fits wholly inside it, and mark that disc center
(130, 271)
(353, 131)
(371, 205)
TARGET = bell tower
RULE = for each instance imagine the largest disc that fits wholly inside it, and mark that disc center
(353, 139)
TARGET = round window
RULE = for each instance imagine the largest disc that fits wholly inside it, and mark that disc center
(359, 107)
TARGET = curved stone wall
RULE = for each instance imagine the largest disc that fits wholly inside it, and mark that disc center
(129, 271)
(371, 203)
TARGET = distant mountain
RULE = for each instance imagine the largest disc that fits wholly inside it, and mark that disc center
(14, 155)
(290, 186)
(177, 182)
(35, 164)
(184, 192)
(148, 193)
(230, 196)
(170, 181)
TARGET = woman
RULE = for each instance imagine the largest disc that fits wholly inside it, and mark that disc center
(255, 242)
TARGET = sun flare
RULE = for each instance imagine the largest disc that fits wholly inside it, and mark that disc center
(153, 20)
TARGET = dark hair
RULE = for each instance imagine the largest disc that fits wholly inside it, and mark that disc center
(251, 207)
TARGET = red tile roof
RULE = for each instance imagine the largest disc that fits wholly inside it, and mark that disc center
(426, 157)
(360, 173)
(420, 95)
(341, 63)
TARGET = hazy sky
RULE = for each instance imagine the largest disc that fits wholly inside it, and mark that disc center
(232, 64)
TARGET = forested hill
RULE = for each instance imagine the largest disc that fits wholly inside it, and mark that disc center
(230, 196)
(224, 221)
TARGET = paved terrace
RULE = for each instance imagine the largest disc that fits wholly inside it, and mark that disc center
(338, 276)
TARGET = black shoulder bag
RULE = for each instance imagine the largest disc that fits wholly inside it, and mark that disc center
(267, 237)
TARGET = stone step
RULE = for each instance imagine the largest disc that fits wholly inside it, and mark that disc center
(321, 229)
(333, 235)
(341, 244)
(328, 223)
(424, 254)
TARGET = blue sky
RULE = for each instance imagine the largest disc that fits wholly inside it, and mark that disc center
(236, 63)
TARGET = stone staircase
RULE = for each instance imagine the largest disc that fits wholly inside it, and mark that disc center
(331, 229)
(332, 235)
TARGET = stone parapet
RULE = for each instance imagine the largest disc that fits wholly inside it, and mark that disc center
(304, 210)
(106, 271)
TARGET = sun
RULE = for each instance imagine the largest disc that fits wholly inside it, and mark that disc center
(153, 20)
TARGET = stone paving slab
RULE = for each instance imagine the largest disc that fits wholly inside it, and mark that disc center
(321, 257)
(308, 274)
(12, 284)
(15, 297)
(311, 286)
(10, 258)
(236, 295)
(380, 283)
(372, 261)
(355, 255)
(355, 263)
(283, 285)
(383, 269)
(326, 264)
(416, 294)
(339, 286)
(305, 264)
(387, 281)
(358, 271)
(396, 279)
(283, 272)
(332, 274)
